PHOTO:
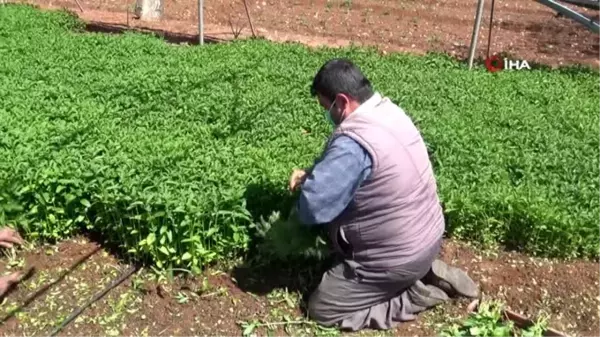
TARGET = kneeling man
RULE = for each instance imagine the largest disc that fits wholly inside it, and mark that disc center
(375, 190)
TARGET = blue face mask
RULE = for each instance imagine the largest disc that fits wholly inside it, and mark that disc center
(328, 115)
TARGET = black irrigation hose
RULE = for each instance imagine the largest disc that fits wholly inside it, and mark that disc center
(98, 295)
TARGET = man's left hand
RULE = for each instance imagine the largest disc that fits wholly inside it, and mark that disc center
(9, 237)
(297, 178)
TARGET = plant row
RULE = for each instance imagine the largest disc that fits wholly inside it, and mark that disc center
(176, 153)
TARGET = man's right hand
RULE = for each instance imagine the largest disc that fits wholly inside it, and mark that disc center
(7, 281)
(297, 178)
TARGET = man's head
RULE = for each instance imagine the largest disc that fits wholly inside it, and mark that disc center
(340, 88)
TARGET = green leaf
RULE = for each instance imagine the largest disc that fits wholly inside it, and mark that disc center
(248, 329)
(150, 239)
(164, 250)
(475, 331)
(85, 203)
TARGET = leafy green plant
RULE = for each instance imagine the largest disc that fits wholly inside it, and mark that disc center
(288, 239)
(156, 148)
(488, 321)
(538, 328)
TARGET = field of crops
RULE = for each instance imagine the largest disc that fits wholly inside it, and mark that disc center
(173, 152)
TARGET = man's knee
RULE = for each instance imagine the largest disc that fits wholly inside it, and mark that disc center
(317, 309)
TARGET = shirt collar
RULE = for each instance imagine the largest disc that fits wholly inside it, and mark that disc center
(369, 104)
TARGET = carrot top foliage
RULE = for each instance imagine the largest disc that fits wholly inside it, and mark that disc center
(174, 153)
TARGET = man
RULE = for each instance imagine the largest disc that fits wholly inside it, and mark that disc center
(374, 188)
(8, 238)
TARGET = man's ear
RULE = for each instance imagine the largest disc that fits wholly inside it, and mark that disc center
(341, 100)
(343, 104)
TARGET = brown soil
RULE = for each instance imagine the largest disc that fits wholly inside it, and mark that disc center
(70, 273)
(526, 30)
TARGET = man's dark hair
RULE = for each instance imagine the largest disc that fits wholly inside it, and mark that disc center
(341, 76)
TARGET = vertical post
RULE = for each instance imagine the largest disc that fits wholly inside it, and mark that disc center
(249, 19)
(475, 34)
(201, 22)
(490, 31)
(79, 5)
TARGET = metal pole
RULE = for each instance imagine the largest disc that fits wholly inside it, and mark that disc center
(475, 35)
(573, 15)
(201, 22)
(490, 30)
(249, 19)
(79, 5)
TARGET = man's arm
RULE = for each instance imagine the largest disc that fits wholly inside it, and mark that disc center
(331, 183)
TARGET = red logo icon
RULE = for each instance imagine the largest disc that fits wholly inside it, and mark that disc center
(494, 64)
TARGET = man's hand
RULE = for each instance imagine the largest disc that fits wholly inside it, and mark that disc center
(297, 178)
(9, 237)
(8, 281)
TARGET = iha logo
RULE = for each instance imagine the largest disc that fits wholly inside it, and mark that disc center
(495, 63)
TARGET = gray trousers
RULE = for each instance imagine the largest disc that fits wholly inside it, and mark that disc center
(353, 298)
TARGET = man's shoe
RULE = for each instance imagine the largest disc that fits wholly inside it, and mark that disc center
(420, 297)
(451, 280)
(426, 296)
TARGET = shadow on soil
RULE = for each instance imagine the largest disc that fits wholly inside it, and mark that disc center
(300, 276)
(171, 37)
(261, 275)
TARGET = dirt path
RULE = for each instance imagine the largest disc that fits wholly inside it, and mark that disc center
(524, 29)
(68, 274)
